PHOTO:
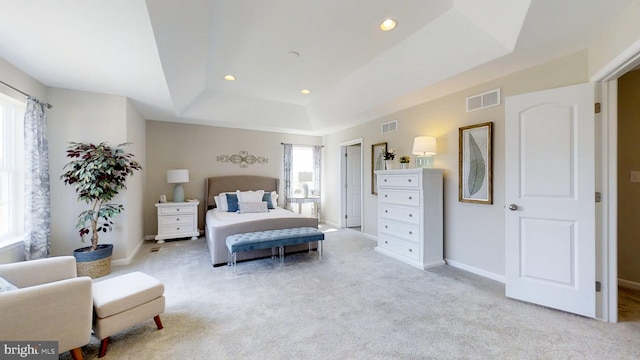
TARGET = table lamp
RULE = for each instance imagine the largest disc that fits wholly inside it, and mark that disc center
(304, 177)
(178, 177)
(424, 147)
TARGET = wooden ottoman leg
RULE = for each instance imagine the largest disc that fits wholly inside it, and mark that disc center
(158, 322)
(103, 347)
(76, 354)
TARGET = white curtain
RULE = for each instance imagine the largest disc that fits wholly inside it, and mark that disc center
(287, 164)
(317, 165)
(37, 221)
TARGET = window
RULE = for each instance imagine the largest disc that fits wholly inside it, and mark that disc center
(11, 168)
(302, 172)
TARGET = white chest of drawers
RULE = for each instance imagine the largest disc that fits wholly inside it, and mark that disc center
(177, 220)
(410, 227)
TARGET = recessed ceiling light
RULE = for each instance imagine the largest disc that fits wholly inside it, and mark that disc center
(305, 91)
(229, 77)
(388, 24)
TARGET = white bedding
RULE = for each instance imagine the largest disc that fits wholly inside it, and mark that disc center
(217, 217)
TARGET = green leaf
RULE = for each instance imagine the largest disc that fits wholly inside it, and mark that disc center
(476, 167)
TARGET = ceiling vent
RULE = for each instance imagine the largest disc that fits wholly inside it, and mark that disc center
(390, 126)
(484, 100)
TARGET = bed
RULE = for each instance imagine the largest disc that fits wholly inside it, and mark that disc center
(220, 224)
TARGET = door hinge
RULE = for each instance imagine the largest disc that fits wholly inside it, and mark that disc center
(345, 216)
(598, 196)
(598, 108)
(598, 286)
(345, 154)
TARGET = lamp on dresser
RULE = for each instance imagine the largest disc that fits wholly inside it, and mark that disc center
(425, 148)
(178, 177)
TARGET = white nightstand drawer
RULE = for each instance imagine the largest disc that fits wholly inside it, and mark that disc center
(410, 181)
(402, 197)
(400, 213)
(172, 210)
(176, 228)
(408, 232)
(176, 219)
(402, 248)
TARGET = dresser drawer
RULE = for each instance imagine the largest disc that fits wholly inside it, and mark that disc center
(401, 197)
(172, 210)
(409, 181)
(407, 232)
(402, 248)
(176, 219)
(401, 213)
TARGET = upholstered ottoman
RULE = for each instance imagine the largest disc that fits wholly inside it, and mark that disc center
(123, 301)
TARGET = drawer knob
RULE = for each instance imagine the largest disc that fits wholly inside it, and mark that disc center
(177, 228)
(386, 227)
(385, 195)
(177, 209)
(386, 211)
(410, 250)
(386, 242)
(409, 180)
(410, 232)
(410, 215)
(385, 180)
(410, 198)
(177, 219)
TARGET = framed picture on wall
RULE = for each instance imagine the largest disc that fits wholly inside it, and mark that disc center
(475, 163)
(377, 163)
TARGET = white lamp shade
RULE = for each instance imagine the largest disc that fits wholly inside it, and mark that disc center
(424, 145)
(177, 176)
(305, 176)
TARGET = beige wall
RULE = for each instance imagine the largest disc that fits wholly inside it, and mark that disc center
(474, 234)
(195, 147)
(623, 35)
(628, 192)
(136, 135)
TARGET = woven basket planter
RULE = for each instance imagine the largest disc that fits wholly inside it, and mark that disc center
(94, 263)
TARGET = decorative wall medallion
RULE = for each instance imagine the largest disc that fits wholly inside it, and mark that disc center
(243, 158)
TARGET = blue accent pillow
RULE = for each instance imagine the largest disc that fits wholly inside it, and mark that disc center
(267, 198)
(232, 202)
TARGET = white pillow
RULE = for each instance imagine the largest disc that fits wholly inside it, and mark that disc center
(221, 201)
(252, 207)
(250, 196)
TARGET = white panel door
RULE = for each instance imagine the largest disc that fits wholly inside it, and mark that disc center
(550, 198)
(354, 187)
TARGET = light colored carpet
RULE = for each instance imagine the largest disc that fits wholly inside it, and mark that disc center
(354, 304)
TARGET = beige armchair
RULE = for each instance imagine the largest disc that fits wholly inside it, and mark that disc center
(50, 304)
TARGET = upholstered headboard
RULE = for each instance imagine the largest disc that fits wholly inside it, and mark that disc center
(217, 184)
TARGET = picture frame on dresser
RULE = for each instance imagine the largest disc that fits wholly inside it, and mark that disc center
(377, 163)
(475, 163)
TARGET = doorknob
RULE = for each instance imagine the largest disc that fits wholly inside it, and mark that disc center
(513, 207)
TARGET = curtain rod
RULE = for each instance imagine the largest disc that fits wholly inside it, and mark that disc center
(301, 144)
(49, 106)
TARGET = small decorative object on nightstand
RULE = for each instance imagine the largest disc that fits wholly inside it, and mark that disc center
(177, 220)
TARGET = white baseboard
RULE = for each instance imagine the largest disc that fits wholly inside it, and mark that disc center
(131, 256)
(474, 270)
(629, 284)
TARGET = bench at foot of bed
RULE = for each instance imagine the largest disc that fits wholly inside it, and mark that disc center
(278, 238)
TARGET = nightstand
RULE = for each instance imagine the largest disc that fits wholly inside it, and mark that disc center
(177, 220)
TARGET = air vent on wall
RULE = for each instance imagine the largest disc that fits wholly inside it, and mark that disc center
(389, 127)
(484, 100)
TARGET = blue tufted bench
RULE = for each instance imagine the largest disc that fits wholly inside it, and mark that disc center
(278, 238)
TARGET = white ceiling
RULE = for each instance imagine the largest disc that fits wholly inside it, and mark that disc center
(170, 56)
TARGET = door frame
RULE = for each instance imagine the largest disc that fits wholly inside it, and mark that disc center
(607, 173)
(343, 180)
